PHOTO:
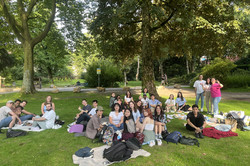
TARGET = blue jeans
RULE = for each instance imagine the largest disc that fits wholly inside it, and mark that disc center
(116, 128)
(26, 117)
(216, 101)
(5, 122)
(198, 96)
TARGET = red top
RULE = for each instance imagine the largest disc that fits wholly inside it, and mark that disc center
(215, 90)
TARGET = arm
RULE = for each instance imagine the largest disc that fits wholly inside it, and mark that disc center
(144, 123)
(121, 121)
(14, 115)
(192, 125)
(27, 113)
(42, 106)
(195, 89)
(38, 119)
(53, 106)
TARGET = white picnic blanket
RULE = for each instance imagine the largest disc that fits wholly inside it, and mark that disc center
(98, 159)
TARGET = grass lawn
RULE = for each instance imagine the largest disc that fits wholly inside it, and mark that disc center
(135, 83)
(55, 147)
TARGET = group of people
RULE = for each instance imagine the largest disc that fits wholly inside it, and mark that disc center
(14, 112)
(210, 89)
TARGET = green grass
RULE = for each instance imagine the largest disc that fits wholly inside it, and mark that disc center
(55, 147)
(135, 83)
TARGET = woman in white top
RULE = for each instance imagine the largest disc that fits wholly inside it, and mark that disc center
(206, 88)
(116, 118)
(148, 128)
(127, 98)
(170, 103)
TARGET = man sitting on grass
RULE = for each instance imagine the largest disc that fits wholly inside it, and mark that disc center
(94, 124)
(5, 119)
(28, 115)
(196, 121)
(93, 110)
(84, 114)
(47, 120)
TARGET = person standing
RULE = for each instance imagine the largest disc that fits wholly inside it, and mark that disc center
(208, 97)
(199, 92)
(215, 94)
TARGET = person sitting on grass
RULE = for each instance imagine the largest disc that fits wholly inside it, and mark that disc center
(5, 119)
(93, 110)
(148, 128)
(47, 120)
(111, 100)
(129, 125)
(94, 124)
(153, 103)
(17, 103)
(145, 101)
(84, 114)
(160, 121)
(127, 98)
(170, 103)
(145, 92)
(43, 106)
(28, 115)
(196, 121)
(116, 118)
(180, 101)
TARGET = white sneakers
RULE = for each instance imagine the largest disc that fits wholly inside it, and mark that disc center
(152, 143)
(159, 142)
(201, 109)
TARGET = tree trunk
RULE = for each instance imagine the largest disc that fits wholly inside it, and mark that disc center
(160, 68)
(50, 75)
(28, 72)
(187, 66)
(147, 55)
(125, 78)
(193, 64)
(138, 69)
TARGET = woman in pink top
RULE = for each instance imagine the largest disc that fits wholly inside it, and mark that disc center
(215, 94)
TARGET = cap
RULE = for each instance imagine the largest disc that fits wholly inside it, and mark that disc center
(100, 108)
(10, 101)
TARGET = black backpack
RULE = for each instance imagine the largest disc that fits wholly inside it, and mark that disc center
(99, 135)
(16, 133)
(117, 152)
(133, 143)
(189, 141)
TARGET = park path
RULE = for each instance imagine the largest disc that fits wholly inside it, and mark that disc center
(163, 91)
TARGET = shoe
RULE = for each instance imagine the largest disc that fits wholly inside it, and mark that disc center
(152, 143)
(201, 109)
(159, 142)
(201, 135)
(197, 135)
(160, 136)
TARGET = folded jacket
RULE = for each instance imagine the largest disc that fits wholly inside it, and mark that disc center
(213, 133)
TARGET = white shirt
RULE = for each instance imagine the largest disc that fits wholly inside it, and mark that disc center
(4, 111)
(116, 119)
(168, 102)
(127, 99)
(144, 101)
(93, 111)
(207, 87)
(50, 117)
(198, 86)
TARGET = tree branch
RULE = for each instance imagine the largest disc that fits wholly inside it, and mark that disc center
(164, 22)
(43, 34)
(31, 6)
(11, 21)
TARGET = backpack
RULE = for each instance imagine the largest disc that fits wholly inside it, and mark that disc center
(133, 143)
(140, 137)
(117, 152)
(100, 134)
(108, 135)
(164, 134)
(240, 124)
(173, 137)
(16, 133)
(189, 141)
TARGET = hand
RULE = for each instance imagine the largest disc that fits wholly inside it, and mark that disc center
(218, 81)
(79, 108)
(33, 118)
(19, 121)
(119, 125)
(198, 130)
(126, 121)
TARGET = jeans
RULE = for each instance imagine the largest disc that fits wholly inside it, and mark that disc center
(198, 95)
(216, 101)
(5, 122)
(26, 117)
(116, 128)
(83, 117)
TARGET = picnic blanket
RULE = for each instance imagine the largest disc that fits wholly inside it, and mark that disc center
(30, 128)
(98, 159)
(213, 133)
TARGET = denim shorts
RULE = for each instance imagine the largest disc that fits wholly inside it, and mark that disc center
(5, 122)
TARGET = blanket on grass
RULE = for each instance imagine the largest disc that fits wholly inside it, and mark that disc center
(213, 133)
(30, 128)
(98, 159)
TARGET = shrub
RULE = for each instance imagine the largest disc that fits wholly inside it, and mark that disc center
(110, 74)
(238, 79)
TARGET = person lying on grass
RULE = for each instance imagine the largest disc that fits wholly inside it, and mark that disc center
(48, 100)
(5, 119)
(19, 110)
(94, 124)
(47, 120)
(195, 121)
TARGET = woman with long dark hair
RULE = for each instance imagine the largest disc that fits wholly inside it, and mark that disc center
(160, 121)
(180, 101)
(127, 98)
(208, 97)
(129, 125)
(116, 118)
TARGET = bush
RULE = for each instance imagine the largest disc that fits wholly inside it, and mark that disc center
(238, 79)
(110, 74)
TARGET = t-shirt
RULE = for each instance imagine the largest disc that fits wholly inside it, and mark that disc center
(170, 102)
(93, 111)
(198, 86)
(195, 120)
(148, 96)
(50, 117)
(127, 99)
(215, 90)
(207, 87)
(144, 101)
(4, 111)
(136, 115)
(116, 119)
(92, 126)
(155, 102)
(87, 107)
(180, 102)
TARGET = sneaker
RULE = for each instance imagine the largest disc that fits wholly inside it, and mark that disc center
(197, 135)
(159, 142)
(201, 135)
(201, 109)
(160, 136)
(152, 143)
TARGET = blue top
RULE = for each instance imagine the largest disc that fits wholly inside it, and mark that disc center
(180, 102)
(141, 118)
(136, 115)
(44, 108)
(155, 102)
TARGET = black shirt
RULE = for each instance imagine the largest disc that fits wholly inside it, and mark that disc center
(197, 121)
